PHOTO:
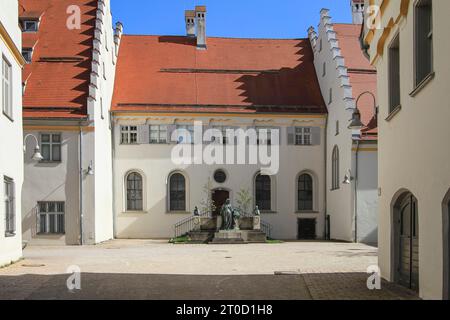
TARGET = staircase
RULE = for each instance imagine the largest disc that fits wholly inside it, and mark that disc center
(202, 229)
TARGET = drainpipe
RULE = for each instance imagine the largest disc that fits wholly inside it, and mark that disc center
(81, 185)
(327, 231)
(113, 151)
(356, 191)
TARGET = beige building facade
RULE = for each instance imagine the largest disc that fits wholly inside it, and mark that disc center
(408, 43)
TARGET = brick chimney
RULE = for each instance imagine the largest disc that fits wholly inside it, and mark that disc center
(200, 17)
(189, 16)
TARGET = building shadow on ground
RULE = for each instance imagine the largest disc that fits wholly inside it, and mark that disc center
(94, 286)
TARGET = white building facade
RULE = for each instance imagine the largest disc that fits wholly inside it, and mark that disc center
(68, 195)
(347, 81)
(11, 155)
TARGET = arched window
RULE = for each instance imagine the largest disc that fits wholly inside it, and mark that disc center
(335, 169)
(134, 192)
(305, 192)
(263, 192)
(177, 192)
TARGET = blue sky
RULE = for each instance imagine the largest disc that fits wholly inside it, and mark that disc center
(229, 18)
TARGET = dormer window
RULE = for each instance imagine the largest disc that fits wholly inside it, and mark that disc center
(30, 26)
(27, 54)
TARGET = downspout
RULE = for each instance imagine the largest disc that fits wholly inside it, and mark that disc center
(81, 185)
(356, 191)
(113, 151)
(327, 232)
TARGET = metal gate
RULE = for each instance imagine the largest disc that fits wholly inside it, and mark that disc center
(408, 264)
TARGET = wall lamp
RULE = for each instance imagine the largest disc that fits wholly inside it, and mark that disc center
(348, 178)
(356, 123)
(37, 156)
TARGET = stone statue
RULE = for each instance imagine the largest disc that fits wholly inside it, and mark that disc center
(257, 212)
(226, 212)
(236, 217)
(196, 213)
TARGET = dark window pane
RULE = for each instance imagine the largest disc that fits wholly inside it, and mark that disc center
(263, 192)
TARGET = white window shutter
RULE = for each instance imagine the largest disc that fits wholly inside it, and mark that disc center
(291, 135)
(170, 129)
(315, 136)
(143, 134)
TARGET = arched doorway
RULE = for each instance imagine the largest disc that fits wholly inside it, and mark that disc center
(406, 242)
(219, 196)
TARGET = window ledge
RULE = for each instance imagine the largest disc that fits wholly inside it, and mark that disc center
(394, 112)
(306, 212)
(8, 116)
(178, 212)
(10, 234)
(422, 84)
(134, 212)
(50, 162)
(335, 189)
(268, 212)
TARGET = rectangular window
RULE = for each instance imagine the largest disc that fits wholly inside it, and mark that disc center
(185, 134)
(30, 26)
(394, 75)
(10, 210)
(423, 40)
(330, 98)
(51, 147)
(158, 134)
(268, 138)
(337, 127)
(51, 218)
(27, 54)
(324, 72)
(7, 88)
(303, 136)
(128, 134)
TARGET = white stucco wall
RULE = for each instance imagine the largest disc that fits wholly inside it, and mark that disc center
(413, 145)
(154, 162)
(11, 153)
(61, 181)
(326, 50)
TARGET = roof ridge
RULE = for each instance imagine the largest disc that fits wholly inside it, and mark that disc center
(213, 37)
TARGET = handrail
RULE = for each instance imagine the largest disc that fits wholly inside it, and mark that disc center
(266, 228)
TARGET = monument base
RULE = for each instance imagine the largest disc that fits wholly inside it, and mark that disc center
(228, 237)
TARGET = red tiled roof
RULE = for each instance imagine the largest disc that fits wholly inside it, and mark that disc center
(54, 86)
(168, 73)
(363, 76)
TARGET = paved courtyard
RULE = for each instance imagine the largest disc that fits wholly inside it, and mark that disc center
(146, 269)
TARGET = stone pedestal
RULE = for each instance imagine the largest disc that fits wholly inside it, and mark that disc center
(228, 237)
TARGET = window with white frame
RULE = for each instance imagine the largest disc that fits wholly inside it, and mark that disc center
(7, 88)
(222, 138)
(30, 26)
(10, 210)
(51, 217)
(185, 134)
(135, 194)
(27, 54)
(394, 75)
(177, 192)
(423, 30)
(51, 147)
(303, 136)
(128, 134)
(335, 183)
(158, 134)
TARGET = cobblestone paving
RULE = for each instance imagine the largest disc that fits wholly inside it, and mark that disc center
(145, 269)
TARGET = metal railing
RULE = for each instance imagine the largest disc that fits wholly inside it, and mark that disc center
(184, 226)
(266, 228)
